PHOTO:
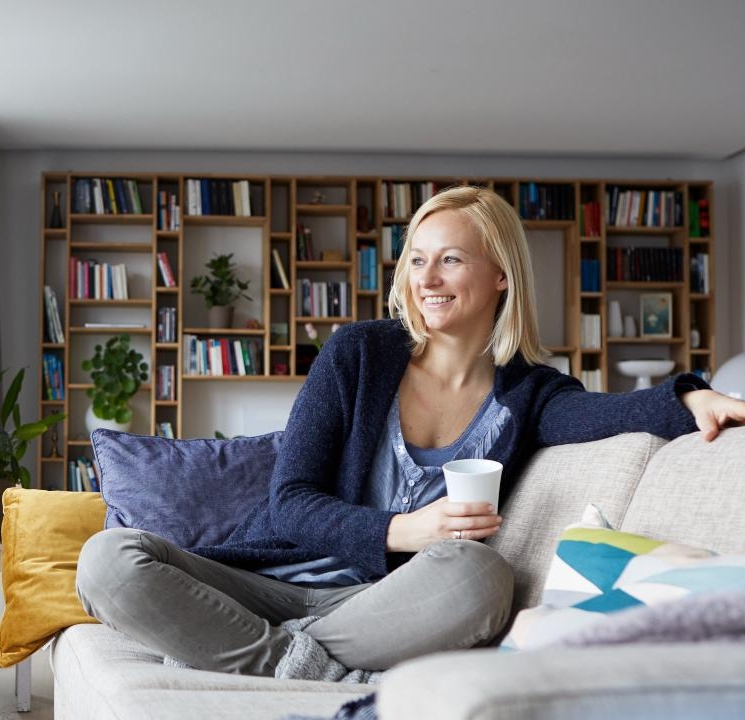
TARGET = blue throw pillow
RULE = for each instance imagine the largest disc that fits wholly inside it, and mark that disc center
(191, 492)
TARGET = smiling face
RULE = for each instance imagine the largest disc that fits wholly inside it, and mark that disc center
(455, 285)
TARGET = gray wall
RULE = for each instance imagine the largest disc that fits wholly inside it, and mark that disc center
(19, 215)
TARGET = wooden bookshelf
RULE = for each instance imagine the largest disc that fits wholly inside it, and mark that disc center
(337, 235)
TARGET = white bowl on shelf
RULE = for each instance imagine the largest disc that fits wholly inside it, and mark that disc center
(644, 370)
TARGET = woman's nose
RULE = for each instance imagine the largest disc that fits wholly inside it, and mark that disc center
(430, 276)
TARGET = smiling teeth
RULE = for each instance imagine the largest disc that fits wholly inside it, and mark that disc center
(438, 299)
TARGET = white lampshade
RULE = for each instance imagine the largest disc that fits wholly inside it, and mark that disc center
(730, 378)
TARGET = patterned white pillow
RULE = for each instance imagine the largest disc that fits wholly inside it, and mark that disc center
(597, 571)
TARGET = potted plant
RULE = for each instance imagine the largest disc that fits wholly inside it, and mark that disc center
(117, 371)
(221, 288)
(14, 443)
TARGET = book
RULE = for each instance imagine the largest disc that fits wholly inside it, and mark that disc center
(51, 309)
(280, 269)
(246, 197)
(165, 430)
(166, 272)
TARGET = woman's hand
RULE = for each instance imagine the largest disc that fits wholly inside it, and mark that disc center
(713, 411)
(441, 520)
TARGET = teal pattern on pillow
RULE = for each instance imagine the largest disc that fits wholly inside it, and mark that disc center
(597, 571)
(192, 492)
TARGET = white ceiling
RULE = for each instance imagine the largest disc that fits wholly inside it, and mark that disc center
(535, 77)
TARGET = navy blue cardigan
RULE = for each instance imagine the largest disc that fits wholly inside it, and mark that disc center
(313, 508)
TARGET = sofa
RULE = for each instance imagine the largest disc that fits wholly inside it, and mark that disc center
(678, 505)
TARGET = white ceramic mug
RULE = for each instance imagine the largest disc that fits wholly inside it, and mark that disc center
(473, 480)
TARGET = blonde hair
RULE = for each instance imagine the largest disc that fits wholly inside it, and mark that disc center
(516, 322)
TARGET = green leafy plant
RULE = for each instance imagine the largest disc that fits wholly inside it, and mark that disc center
(117, 371)
(222, 286)
(14, 443)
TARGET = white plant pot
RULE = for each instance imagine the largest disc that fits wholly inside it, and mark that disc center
(93, 422)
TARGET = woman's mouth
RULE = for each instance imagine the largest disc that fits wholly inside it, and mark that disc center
(438, 299)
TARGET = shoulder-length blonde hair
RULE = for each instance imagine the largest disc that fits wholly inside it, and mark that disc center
(516, 323)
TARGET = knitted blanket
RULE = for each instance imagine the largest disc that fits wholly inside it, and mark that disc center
(699, 617)
(696, 618)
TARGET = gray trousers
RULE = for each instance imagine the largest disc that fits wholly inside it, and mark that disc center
(454, 594)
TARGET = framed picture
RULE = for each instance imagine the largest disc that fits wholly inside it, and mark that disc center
(656, 315)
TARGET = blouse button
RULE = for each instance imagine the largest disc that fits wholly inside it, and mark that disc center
(405, 501)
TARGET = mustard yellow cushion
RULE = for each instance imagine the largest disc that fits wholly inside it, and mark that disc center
(42, 534)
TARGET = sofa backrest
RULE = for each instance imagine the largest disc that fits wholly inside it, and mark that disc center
(553, 491)
(693, 492)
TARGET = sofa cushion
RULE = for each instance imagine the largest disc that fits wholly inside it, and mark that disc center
(101, 673)
(191, 492)
(597, 571)
(555, 487)
(43, 532)
(693, 492)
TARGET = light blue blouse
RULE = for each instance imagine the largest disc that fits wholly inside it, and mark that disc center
(404, 478)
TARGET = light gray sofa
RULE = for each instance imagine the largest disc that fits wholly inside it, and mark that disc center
(686, 491)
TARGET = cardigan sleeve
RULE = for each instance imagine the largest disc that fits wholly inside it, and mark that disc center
(315, 491)
(570, 414)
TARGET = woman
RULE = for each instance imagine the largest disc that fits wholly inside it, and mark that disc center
(357, 538)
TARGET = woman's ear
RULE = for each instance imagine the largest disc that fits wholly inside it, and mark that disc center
(501, 281)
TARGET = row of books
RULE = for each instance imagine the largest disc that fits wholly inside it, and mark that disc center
(54, 383)
(645, 264)
(392, 241)
(367, 267)
(83, 475)
(165, 382)
(590, 215)
(167, 326)
(53, 325)
(324, 299)
(590, 331)
(543, 201)
(169, 211)
(107, 196)
(166, 271)
(222, 356)
(205, 196)
(589, 275)
(592, 380)
(643, 208)
(699, 223)
(402, 199)
(700, 280)
(92, 280)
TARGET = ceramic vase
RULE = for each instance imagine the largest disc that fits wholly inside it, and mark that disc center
(629, 326)
(615, 319)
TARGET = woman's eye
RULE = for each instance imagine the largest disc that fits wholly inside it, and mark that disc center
(449, 259)
(417, 261)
